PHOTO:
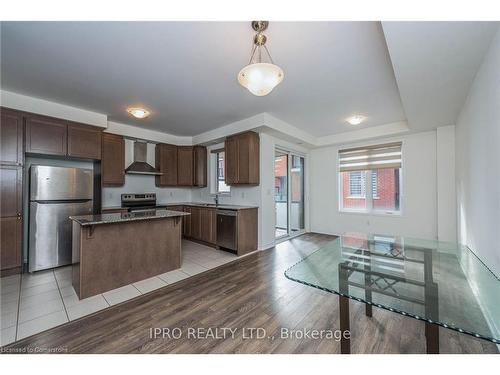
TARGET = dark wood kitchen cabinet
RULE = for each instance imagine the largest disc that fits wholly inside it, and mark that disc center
(166, 163)
(242, 163)
(200, 166)
(11, 137)
(11, 219)
(46, 135)
(113, 160)
(208, 231)
(186, 222)
(84, 141)
(185, 165)
(196, 222)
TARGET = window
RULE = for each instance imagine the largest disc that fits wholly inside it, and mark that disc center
(357, 184)
(370, 179)
(220, 185)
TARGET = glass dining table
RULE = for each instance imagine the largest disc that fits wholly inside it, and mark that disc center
(440, 283)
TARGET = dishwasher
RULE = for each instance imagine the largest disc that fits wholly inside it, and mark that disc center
(227, 229)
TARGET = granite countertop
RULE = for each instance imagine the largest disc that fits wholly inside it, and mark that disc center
(194, 204)
(86, 220)
(210, 205)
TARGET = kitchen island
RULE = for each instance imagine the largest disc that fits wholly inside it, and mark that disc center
(113, 250)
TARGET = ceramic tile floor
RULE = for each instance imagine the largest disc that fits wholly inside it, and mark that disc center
(36, 302)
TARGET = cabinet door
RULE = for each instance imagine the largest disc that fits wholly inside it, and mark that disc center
(196, 223)
(185, 166)
(11, 191)
(231, 160)
(45, 135)
(200, 166)
(251, 164)
(186, 222)
(11, 137)
(113, 160)
(205, 224)
(84, 141)
(11, 217)
(10, 242)
(166, 163)
(213, 227)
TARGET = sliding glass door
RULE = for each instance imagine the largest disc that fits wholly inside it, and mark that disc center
(281, 194)
(288, 194)
(297, 224)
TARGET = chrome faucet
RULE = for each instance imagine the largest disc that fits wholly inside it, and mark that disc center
(216, 199)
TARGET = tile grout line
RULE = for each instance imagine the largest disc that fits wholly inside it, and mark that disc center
(62, 299)
(18, 304)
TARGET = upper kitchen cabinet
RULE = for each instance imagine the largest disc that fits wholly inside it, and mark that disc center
(200, 166)
(11, 137)
(181, 165)
(84, 141)
(113, 160)
(242, 164)
(166, 163)
(51, 136)
(185, 160)
(46, 135)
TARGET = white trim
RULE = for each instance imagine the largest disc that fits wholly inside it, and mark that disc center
(53, 109)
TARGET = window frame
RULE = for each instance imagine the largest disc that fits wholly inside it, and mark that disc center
(369, 210)
(214, 172)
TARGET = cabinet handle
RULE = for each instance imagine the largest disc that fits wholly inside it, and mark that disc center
(19, 216)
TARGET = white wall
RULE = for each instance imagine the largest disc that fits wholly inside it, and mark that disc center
(419, 203)
(478, 162)
(446, 190)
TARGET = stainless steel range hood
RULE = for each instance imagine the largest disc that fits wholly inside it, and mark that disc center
(140, 164)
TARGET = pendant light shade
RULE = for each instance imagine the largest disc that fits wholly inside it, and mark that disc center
(259, 77)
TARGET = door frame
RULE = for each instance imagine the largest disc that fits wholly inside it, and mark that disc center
(290, 154)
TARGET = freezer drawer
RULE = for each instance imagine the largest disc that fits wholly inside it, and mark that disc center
(50, 232)
(60, 183)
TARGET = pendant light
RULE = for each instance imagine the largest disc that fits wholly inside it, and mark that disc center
(260, 76)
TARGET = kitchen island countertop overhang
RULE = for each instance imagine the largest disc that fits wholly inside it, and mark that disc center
(113, 250)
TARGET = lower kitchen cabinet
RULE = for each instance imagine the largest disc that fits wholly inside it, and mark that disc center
(196, 222)
(201, 225)
(186, 223)
(11, 234)
(208, 230)
(11, 218)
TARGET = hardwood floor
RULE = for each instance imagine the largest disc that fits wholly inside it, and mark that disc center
(251, 292)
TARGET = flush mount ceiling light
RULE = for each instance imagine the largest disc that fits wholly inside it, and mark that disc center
(355, 120)
(260, 76)
(138, 112)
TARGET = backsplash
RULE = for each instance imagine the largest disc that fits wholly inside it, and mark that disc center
(111, 197)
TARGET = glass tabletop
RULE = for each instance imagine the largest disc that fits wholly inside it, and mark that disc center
(434, 281)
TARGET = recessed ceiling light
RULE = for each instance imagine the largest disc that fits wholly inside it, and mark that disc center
(355, 120)
(138, 112)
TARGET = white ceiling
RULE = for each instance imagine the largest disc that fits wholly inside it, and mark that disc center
(435, 64)
(185, 72)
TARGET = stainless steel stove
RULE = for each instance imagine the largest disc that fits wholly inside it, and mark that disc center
(140, 202)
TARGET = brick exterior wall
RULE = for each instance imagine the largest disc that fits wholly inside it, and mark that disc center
(386, 191)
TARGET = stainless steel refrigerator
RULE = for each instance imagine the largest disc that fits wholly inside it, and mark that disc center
(55, 194)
